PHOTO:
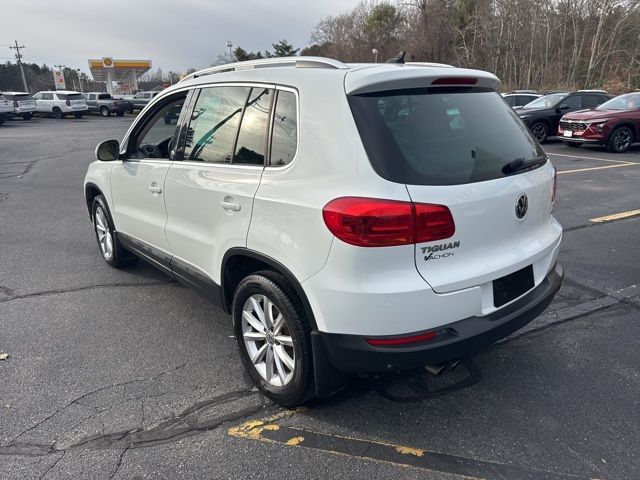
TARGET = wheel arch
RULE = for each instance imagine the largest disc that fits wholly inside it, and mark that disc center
(91, 191)
(238, 262)
(624, 123)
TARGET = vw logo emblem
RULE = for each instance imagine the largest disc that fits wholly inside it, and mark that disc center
(522, 205)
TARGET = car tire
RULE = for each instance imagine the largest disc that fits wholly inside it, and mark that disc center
(120, 113)
(104, 111)
(620, 140)
(110, 248)
(27, 116)
(78, 115)
(540, 130)
(572, 144)
(57, 113)
(275, 348)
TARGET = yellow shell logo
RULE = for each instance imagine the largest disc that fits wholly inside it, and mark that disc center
(58, 73)
(107, 62)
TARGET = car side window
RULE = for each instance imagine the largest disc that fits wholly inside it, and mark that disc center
(158, 133)
(37, 96)
(214, 124)
(284, 132)
(590, 101)
(574, 101)
(251, 145)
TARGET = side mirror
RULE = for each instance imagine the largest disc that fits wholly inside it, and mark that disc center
(563, 106)
(108, 150)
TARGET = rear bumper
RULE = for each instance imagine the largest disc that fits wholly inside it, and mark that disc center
(352, 354)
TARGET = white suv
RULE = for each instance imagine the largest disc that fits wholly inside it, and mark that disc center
(351, 218)
(61, 103)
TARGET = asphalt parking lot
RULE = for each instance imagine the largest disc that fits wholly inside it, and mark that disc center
(126, 374)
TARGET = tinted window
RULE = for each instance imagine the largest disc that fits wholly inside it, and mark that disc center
(628, 101)
(440, 138)
(157, 139)
(214, 123)
(284, 137)
(547, 101)
(252, 139)
(574, 101)
(104, 96)
(47, 96)
(511, 100)
(70, 96)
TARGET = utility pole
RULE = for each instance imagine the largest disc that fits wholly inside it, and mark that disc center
(19, 60)
(230, 46)
(79, 79)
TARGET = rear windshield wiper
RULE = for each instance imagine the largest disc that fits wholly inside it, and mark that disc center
(521, 164)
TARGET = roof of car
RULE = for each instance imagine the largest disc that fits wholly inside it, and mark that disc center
(15, 93)
(356, 77)
(64, 92)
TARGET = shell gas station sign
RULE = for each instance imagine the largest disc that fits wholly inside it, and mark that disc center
(58, 80)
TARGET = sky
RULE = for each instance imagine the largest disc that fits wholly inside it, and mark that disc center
(174, 35)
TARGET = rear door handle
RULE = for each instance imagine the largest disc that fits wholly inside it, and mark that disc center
(235, 207)
(155, 188)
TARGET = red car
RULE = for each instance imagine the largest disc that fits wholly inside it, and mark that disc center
(615, 123)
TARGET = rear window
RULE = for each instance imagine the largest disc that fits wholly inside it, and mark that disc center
(70, 96)
(104, 96)
(19, 97)
(440, 137)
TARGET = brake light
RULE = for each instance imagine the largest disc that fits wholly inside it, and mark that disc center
(371, 222)
(455, 81)
(68, 103)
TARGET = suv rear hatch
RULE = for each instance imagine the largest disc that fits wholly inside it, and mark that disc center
(460, 145)
(74, 100)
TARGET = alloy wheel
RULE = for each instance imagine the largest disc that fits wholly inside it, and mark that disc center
(105, 240)
(268, 340)
(540, 132)
(622, 140)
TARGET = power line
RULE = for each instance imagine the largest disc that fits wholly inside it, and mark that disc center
(19, 60)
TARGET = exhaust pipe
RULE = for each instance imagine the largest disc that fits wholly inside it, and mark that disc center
(437, 368)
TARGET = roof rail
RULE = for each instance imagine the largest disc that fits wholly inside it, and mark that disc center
(298, 62)
(429, 64)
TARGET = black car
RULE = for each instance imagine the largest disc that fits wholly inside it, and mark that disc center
(542, 116)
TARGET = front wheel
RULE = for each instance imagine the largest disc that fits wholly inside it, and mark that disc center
(57, 113)
(104, 111)
(274, 337)
(540, 131)
(112, 252)
(78, 115)
(620, 140)
(27, 116)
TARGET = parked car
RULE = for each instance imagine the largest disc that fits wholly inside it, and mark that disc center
(23, 104)
(615, 123)
(105, 104)
(517, 99)
(61, 103)
(141, 99)
(421, 232)
(6, 109)
(542, 116)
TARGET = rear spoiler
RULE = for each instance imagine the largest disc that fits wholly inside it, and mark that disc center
(398, 76)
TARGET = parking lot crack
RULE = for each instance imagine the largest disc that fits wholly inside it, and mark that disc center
(52, 466)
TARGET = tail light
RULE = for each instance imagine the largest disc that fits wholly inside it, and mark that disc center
(555, 184)
(68, 103)
(455, 81)
(408, 340)
(371, 222)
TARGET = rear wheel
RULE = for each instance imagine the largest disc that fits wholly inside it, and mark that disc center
(78, 115)
(112, 252)
(120, 113)
(57, 113)
(274, 337)
(540, 131)
(104, 111)
(620, 140)
(572, 144)
(27, 116)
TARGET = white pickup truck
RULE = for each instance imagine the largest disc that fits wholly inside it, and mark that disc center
(6, 109)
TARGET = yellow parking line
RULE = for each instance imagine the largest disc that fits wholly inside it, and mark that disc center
(589, 158)
(627, 164)
(615, 216)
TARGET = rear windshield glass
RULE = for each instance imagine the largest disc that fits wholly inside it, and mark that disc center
(438, 137)
(18, 96)
(104, 96)
(70, 96)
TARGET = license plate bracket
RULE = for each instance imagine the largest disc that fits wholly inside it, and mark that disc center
(512, 286)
